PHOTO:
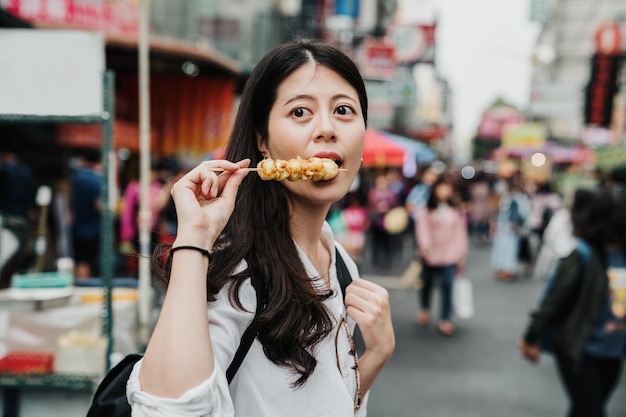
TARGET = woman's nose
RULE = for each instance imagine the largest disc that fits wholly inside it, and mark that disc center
(325, 129)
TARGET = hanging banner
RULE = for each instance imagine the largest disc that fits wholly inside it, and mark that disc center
(524, 135)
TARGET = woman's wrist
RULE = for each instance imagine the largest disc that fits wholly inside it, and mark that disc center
(197, 239)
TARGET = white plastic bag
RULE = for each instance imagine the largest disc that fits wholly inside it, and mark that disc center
(463, 298)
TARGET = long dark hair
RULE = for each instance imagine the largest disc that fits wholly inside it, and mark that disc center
(433, 201)
(603, 221)
(295, 319)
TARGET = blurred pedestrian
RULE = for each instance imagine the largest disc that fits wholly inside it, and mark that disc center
(356, 220)
(85, 205)
(442, 242)
(18, 211)
(544, 202)
(480, 209)
(558, 238)
(171, 171)
(416, 199)
(380, 200)
(511, 217)
(129, 218)
(420, 192)
(584, 309)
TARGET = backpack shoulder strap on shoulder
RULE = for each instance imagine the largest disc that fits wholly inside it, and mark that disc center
(343, 274)
(250, 333)
(584, 250)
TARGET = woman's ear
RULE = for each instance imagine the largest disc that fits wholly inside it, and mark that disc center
(261, 144)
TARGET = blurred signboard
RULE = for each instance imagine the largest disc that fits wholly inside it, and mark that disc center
(594, 137)
(347, 8)
(494, 119)
(610, 157)
(555, 100)
(51, 72)
(378, 60)
(413, 43)
(109, 16)
(380, 104)
(601, 90)
(404, 88)
(540, 11)
(524, 135)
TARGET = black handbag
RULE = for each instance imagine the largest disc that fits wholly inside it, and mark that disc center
(110, 400)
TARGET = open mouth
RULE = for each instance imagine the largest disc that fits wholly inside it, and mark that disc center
(339, 162)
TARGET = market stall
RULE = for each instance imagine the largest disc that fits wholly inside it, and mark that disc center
(75, 89)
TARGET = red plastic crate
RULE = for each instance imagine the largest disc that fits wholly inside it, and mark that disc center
(27, 363)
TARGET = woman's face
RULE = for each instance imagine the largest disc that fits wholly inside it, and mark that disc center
(444, 192)
(317, 113)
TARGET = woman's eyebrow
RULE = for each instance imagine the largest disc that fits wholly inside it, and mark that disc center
(310, 97)
(300, 97)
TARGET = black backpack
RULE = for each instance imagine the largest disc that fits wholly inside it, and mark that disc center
(110, 400)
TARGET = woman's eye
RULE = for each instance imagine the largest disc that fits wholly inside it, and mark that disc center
(342, 110)
(299, 112)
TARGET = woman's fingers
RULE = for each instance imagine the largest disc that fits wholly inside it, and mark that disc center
(205, 198)
(368, 304)
(229, 181)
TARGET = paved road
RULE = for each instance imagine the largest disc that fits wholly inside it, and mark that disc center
(478, 372)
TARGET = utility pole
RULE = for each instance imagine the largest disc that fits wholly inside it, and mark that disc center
(145, 212)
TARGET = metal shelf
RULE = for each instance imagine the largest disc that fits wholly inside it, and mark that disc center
(50, 381)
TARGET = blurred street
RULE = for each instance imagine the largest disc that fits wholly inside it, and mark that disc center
(478, 372)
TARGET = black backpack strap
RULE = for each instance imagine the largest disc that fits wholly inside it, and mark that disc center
(109, 399)
(343, 275)
(249, 334)
(345, 279)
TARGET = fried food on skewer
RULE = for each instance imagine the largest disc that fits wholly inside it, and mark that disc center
(298, 169)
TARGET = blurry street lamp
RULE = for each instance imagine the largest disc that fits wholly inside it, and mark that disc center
(538, 159)
(190, 69)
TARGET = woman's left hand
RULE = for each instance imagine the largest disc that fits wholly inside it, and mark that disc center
(368, 304)
(529, 351)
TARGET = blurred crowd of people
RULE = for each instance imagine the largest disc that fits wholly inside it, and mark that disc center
(73, 220)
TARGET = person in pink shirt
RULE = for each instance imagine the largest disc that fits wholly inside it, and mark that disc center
(129, 216)
(443, 243)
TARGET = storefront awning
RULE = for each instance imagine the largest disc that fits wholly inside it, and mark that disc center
(164, 48)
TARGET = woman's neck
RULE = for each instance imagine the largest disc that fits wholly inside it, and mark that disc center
(306, 229)
(306, 226)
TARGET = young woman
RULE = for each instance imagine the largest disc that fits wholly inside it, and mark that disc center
(442, 242)
(585, 308)
(302, 99)
(507, 247)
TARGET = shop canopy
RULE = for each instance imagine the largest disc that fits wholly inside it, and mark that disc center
(416, 150)
(381, 151)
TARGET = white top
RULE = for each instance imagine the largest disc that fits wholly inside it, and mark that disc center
(261, 388)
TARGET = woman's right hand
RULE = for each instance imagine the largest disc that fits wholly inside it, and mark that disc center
(205, 200)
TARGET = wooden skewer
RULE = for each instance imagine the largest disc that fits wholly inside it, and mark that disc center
(256, 169)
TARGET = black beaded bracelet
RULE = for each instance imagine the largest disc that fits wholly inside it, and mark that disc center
(197, 249)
